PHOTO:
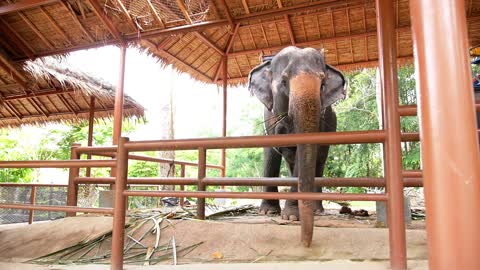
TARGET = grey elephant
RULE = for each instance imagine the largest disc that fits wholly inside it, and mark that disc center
(297, 89)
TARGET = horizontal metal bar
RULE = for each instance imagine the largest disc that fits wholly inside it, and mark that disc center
(258, 181)
(412, 173)
(95, 149)
(57, 208)
(411, 110)
(260, 195)
(161, 160)
(349, 137)
(30, 185)
(75, 163)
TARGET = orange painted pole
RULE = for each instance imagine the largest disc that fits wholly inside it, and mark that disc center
(450, 156)
(119, 98)
(120, 206)
(224, 120)
(387, 52)
(72, 191)
(33, 194)
(91, 117)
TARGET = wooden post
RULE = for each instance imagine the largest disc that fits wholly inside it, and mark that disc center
(72, 193)
(224, 120)
(32, 202)
(91, 118)
(119, 98)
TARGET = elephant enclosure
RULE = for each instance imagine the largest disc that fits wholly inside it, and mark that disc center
(243, 239)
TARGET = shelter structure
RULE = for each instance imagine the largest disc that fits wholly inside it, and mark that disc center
(58, 94)
(219, 41)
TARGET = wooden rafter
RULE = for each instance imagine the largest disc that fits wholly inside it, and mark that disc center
(66, 104)
(55, 25)
(183, 9)
(13, 110)
(279, 3)
(156, 16)
(97, 9)
(17, 40)
(227, 13)
(36, 30)
(24, 4)
(209, 42)
(39, 93)
(77, 21)
(18, 77)
(127, 15)
(290, 29)
(245, 6)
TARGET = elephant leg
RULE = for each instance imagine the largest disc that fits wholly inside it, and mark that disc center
(320, 166)
(327, 124)
(290, 211)
(271, 168)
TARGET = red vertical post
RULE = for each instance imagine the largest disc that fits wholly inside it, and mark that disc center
(33, 194)
(450, 156)
(72, 192)
(120, 206)
(91, 118)
(393, 156)
(119, 98)
(202, 171)
(182, 187)
(224, 119)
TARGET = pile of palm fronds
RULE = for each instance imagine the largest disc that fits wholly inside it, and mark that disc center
(137, 229)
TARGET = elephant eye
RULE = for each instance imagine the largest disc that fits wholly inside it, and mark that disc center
(284, 82)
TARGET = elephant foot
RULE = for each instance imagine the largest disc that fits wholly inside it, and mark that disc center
(269, 207)
(290, 211)
(318, 208)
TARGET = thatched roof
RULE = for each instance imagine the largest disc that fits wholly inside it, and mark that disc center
(56, 93)
(194, 35)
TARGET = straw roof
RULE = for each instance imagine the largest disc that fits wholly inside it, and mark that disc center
(53, 92)
(194, 35)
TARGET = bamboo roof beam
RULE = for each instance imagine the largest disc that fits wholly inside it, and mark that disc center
(209, 42)
(156, 16)
(18, 77)
(227, 14)
(67, 113)
(290, 29)
(38, 94)
(55, 25)
(66, 104)
(17, 40)
(13, 110)
(245, 6)
(279, 4)
(24, 4)
(127, 15)
(227, 50)
(97, 9)
(36, 30)
(183, 9)
(77, 21)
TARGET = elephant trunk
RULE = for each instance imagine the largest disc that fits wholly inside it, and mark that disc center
(304, 108)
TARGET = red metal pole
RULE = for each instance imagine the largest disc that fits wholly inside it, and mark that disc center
(91, 117)
(224, 120)
(450, 156)
(182, 187)
(119, 211)
(202, 160)
(32, 202)
(393, 154)
(119, 98)
(72, 186)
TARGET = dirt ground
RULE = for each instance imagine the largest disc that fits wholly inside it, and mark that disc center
(339, 241)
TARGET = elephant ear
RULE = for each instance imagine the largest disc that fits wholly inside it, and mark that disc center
(260, 84)
(334, 87)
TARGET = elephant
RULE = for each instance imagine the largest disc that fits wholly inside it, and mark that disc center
(298, 89)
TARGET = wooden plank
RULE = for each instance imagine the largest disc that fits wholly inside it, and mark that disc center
(23, 5)
(97, 9)
(155, 13)
(127, 15)
(183, 9)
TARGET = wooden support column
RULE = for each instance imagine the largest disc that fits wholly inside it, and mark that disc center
(450, 156)
(119, 98)
(392, 148)
(224, 119)
(91, 117)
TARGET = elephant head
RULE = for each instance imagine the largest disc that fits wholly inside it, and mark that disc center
(297, 84)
